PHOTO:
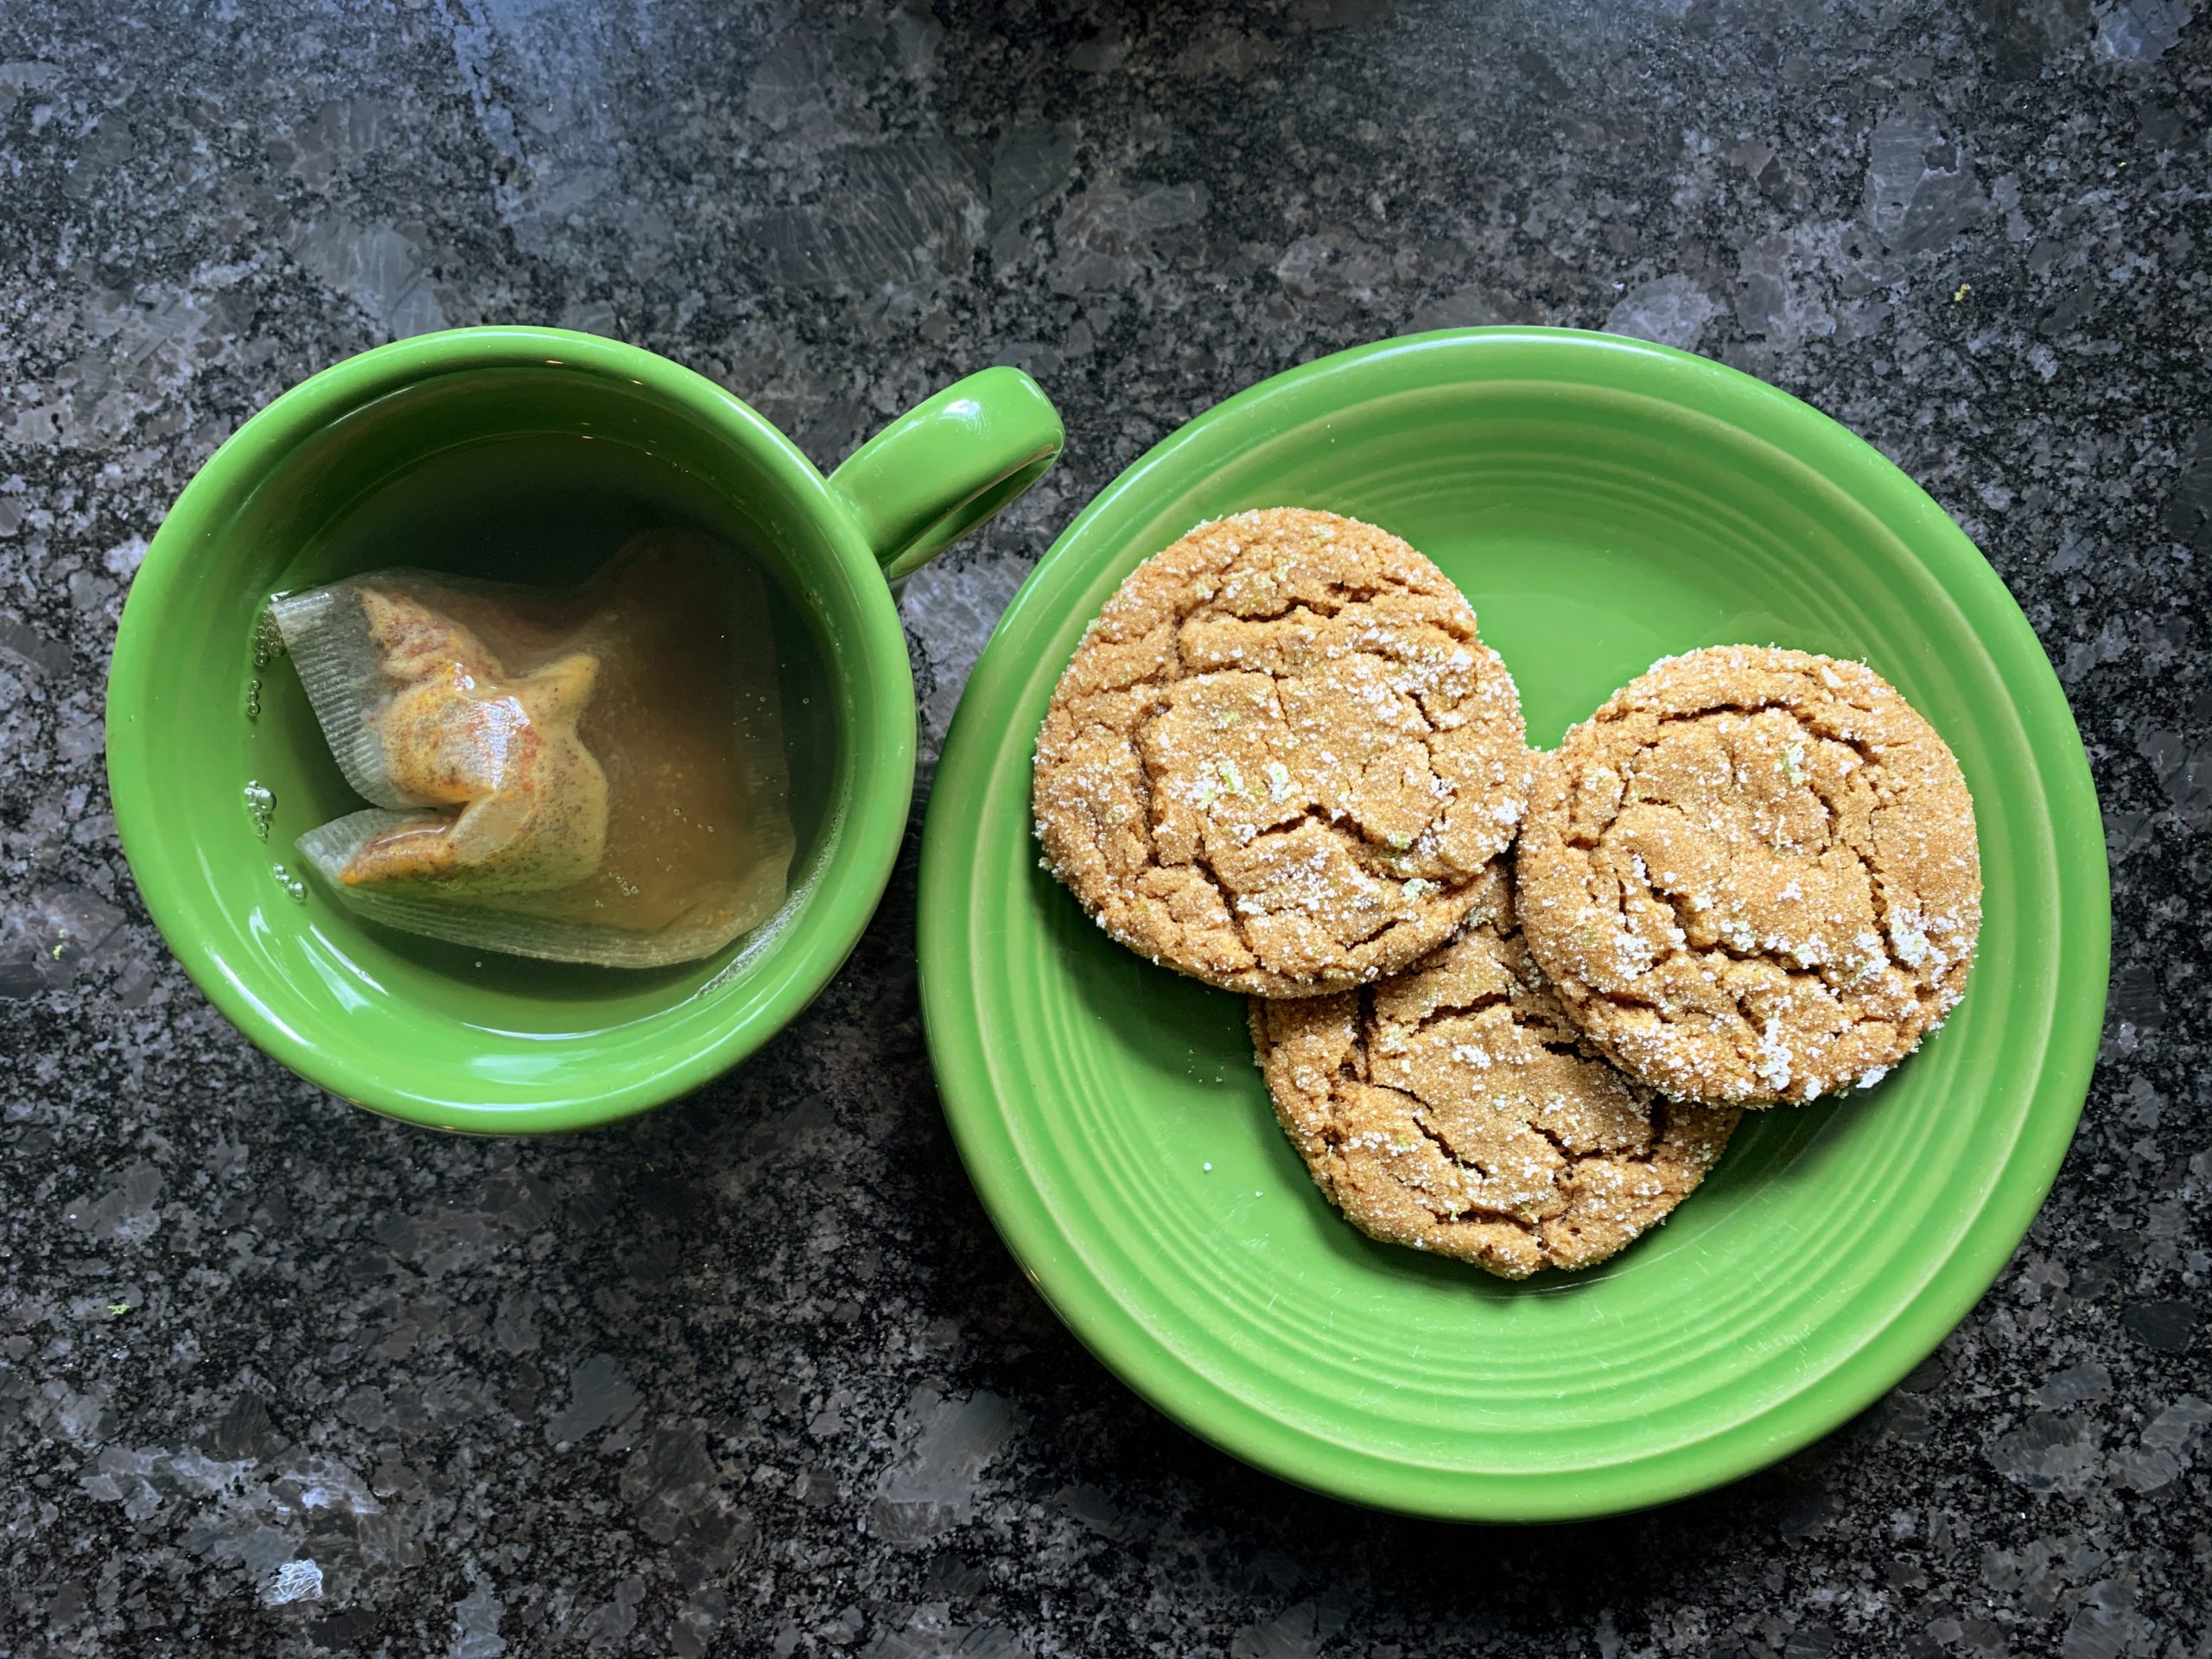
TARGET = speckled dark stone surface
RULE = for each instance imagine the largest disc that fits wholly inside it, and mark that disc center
(754, 1375)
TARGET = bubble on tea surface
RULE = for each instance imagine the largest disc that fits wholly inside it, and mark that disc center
(260, 808)
(268, 637)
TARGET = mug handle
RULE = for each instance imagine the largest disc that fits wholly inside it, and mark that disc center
(947, 465)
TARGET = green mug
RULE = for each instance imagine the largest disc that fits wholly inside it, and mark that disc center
(524, 453)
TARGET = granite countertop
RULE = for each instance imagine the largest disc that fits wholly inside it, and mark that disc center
(753, 1374)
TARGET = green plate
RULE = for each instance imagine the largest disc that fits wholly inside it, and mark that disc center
(1603, 503)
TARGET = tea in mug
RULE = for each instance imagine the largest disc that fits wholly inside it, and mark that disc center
(595, 775)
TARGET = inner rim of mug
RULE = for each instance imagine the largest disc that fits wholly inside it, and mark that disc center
(295, 978)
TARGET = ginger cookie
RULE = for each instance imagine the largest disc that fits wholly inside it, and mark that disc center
(1752, 876)
(1455, 1108)
(1281, 758)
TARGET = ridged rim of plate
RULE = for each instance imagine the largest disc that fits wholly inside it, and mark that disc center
(1878, 1322)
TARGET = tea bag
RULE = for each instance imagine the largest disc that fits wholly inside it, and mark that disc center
(592, 776)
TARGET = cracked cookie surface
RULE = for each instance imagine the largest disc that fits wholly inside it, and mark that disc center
(1752, 875)
(1455, 1109)
(1281, 758)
